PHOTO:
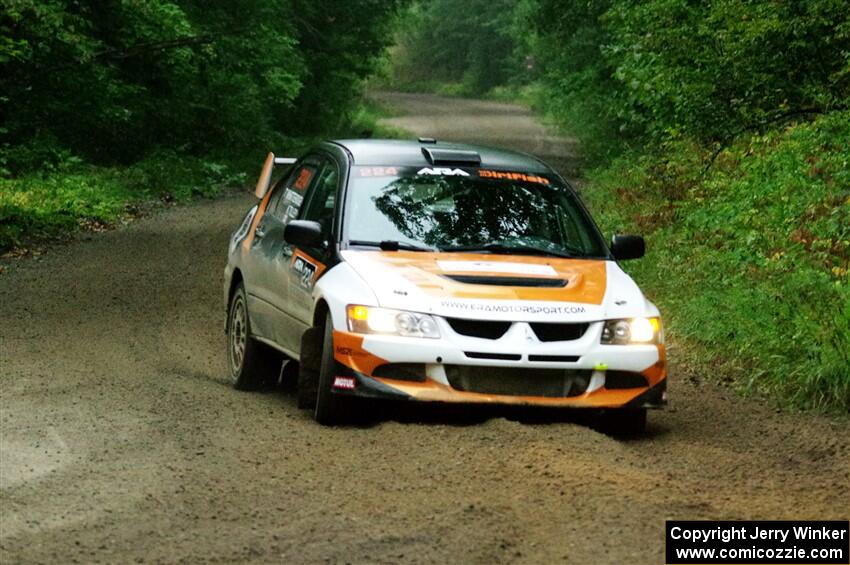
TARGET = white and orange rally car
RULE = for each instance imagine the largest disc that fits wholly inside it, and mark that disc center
(428, 271)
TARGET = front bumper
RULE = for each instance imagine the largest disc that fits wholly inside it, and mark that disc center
(358, 357)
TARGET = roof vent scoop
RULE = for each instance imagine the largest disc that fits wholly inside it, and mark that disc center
(453, 157)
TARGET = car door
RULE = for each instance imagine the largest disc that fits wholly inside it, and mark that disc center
(271, 254)
(307, 265)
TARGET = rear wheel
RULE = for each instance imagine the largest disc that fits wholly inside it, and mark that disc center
(623, 422)
(251, 364)
(331, 409)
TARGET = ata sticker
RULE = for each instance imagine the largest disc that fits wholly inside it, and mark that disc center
(440, 171)
(306, 272)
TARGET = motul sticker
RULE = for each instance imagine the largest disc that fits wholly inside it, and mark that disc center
(345, 383)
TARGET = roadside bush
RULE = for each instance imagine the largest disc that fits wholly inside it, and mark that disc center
(750, 260)
(621, 74)
(46, 204)
(454, 48)
(111, 81)
(106, 103)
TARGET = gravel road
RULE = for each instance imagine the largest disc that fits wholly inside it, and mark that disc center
(121, 442)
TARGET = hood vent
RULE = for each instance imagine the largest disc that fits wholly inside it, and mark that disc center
(508, 281)
(451, 157)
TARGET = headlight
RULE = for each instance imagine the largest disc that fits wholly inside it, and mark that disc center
(634, 330)
(372, 320)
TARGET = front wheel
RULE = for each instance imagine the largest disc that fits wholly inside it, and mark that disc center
(331, 409)
(251, 364)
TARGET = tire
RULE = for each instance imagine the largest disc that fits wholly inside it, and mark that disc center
(308, 368)
(625, 422)
(331, 409)
(251, 364)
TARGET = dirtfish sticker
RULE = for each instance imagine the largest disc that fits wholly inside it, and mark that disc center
(306, 272)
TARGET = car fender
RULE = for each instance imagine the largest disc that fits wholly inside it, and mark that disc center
(623, 297)
(338, 288)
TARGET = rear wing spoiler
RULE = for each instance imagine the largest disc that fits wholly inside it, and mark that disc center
(266, 174)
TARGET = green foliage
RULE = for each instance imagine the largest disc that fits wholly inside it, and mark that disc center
(751, 260)
(577, 88)
(745, 199)
(73, 195)
(457, 48)
(106, 103)
(111, 81)
(620, 73)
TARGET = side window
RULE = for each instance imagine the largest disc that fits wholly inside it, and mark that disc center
(573, 229)
(320, 206)
(287, 199)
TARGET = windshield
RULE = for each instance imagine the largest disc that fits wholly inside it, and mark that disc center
(467, 210)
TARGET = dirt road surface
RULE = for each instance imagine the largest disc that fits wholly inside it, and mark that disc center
(121, 442)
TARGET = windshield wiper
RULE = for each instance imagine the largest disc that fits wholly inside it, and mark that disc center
(504, 248)
(389, 245)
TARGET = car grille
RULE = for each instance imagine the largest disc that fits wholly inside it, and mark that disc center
(624, 379)
(479, 328)
(497, 356)
(401, 372)
(558, 332)
(553, 358)
(519, 381)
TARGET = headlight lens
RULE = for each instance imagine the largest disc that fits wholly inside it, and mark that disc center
(634, 330)
(372, 320)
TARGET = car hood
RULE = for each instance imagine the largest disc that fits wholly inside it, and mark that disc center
(505, 287)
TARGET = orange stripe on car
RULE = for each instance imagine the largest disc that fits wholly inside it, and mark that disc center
(348, 350)
(261, 209)
(658, 370)
(586, 279)
(436, 392)
(320, 267)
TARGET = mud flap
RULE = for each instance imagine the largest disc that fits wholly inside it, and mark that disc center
(308, 370)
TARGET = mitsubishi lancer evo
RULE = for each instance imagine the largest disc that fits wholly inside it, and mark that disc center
(437, 272)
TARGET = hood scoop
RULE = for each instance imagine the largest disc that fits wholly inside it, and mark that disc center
(508, 281)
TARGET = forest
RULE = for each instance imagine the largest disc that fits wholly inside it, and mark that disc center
(106, 104)
(720, 130)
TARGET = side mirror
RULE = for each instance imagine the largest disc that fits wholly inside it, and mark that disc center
(303, 233)
(628, 247)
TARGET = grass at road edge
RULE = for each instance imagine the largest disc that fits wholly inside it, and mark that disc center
(72, 196)
(749, 259)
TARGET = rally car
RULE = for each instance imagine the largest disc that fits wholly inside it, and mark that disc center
(437, 272)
